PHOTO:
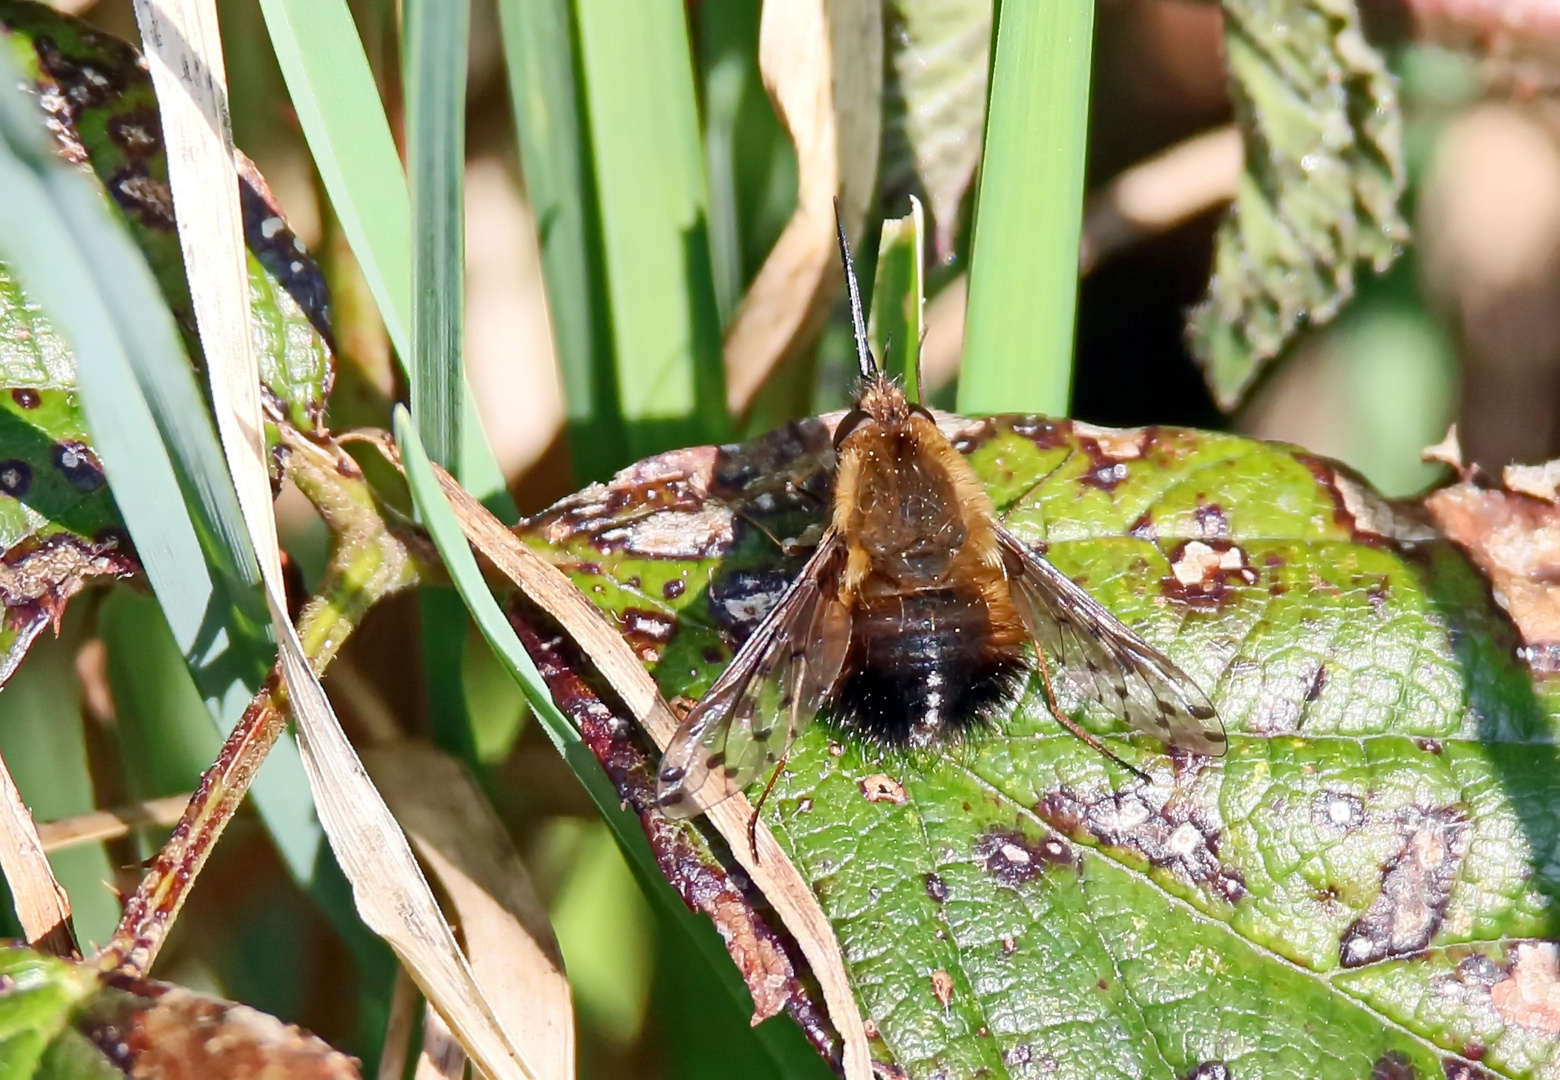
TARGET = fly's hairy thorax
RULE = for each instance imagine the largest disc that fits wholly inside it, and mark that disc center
(936, 643)
(913, 514)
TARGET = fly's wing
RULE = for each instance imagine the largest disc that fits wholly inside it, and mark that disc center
(1107, 661)
(774, 686)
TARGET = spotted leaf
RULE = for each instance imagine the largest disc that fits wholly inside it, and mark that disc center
(1364, 886)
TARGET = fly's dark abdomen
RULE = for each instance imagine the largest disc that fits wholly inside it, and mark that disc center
(924, 667)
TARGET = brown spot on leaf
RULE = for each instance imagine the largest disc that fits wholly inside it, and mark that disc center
(1334, 813)
(26, 399)
(1155, 823)
(1203, 573)
(137, 132)
(1393, 1065)
(79, 465)
(1462, 1070)
(674, 588)
(1530, 995)
(1211, 522)
(942, 987)
(1416, 885)
(739, 599)
(15, 478)
(880, 787)
(1209, 1070)
(647, 632)
(1014, 859)
(936, 888)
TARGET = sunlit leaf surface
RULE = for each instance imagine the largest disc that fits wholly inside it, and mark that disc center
(1362, 888)
(1319, 197)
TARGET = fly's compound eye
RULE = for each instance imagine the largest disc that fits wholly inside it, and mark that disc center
(848, 426)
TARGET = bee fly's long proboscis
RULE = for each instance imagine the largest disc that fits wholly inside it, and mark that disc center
(912, 619)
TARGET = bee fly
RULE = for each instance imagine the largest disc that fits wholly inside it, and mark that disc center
(911, 620)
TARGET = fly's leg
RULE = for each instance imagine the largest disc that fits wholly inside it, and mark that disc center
(1066, 721)
(759, 806)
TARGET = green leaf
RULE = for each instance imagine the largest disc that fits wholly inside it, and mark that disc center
(63, 1021)
(1319, 196)
(1027, 908)
(939, 60)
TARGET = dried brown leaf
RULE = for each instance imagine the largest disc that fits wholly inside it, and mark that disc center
(504, 927)
(822, 63)
(41, 903)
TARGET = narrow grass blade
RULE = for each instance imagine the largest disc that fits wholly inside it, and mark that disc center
(653, 212)
(436, 33)
(435, 82)
(1018, 340)
(555, 158)
(494, 624)
(333, 92)
(388, 887)
(899, 298)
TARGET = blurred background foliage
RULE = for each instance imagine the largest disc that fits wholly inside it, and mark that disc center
(1464, 327)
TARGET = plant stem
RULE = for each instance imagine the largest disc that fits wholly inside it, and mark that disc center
(376, 555)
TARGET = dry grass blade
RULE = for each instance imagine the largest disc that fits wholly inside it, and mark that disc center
(504, 927)
(111, 824)
(770, 869)
(822, 62)
(185, 58)
(42, 906)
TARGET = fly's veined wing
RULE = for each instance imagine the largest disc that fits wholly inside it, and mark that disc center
(772, 689)
(1107, 660)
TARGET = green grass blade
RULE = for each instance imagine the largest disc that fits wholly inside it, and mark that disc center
(436, 33)
(500, 636)
(1018, 338)
(435, 49)
(653, 211)
(899, 298)
(555, 158)
(333, 92)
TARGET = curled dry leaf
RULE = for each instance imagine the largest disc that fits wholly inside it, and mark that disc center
(60, 1019)
(504, 927)
(822, 62)
(1515, 539)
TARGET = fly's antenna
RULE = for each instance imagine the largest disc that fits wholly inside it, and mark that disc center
(858, 322)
